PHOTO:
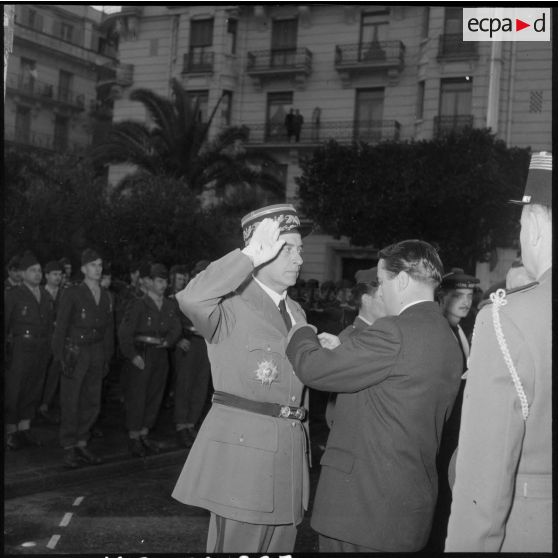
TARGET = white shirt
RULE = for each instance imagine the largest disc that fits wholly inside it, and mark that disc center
(277, 298)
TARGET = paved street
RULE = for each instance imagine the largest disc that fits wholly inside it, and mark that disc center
(129, 513)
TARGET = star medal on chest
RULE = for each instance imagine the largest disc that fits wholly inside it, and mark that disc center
(24, 311)
(83, 313)
(267, 372)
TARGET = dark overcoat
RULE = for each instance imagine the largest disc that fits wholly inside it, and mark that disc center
(396, 382)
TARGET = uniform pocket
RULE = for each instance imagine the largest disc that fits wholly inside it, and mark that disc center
(267, 358)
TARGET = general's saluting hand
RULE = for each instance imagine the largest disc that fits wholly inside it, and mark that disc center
(265, 243)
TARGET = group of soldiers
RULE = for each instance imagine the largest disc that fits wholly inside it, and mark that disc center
(72, 335)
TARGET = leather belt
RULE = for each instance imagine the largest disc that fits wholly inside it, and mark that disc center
(269, 409)
(148, 340)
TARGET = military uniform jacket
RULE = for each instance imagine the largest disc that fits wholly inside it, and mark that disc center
(502, 496)
(396, 381)
(352, 329)
(25, 316)
(144, 318)
(82, 321)
(245, 466)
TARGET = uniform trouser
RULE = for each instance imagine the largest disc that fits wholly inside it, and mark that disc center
(144, 389)
(193, 373)
(52, 382)
(80, 395)
(25, 377)
(228, 535)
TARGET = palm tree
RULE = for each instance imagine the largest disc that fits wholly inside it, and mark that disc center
(177, 146)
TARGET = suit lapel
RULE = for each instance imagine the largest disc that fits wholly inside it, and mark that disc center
(262, 304)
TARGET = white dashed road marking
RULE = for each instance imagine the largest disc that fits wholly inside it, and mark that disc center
(66, 519)
(53, 541)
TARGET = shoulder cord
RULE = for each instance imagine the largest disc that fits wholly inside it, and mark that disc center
(499, 299)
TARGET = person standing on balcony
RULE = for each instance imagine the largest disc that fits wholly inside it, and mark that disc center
(289, 125)
(298, 121)
(249, 463)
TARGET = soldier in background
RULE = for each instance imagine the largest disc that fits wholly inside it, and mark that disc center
(14, 273)
(83, 342)
(28, 321)
(150, 326)
(53, 278)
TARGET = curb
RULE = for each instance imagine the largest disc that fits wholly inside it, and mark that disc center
(49, 480)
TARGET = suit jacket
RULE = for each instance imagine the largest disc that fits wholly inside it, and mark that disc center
(502, 496)
(245, 466)
(397, 381)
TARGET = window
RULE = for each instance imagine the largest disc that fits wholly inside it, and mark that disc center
(420, 100)
(425, 24)
(232, 28)
(65, 86)
(201, 41)
(373, 31)
(369, 112)
(60, 133)
(455, 104)
(153, 47)
(27, 74)
(451, 42)
(202, 100)
(226, 108)
(22, 124)
(283, 42)
(453, 21)
(278, 106)
(66, 32)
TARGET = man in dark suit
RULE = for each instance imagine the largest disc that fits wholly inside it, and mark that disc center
(396, 382)
(248, 465)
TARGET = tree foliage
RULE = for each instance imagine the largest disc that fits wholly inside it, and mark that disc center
(450, 191)
(177, 146)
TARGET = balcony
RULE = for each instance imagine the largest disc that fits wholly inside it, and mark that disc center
(292, 63)
(198, 62)
(39, 140)
(123, 77)
(100, 110)
(35, 90)
(451, 124)
(364, 59)
(453, 47)
(314, 133)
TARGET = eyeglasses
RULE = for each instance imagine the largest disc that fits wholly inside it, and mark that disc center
(291, 250)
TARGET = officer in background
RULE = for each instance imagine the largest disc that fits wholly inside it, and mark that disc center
(53, 278)
(28, 321)
(455, 296)
(502, 496)
(150, 326)
(84, 342)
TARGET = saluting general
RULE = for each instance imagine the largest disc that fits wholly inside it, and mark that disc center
(502, 496)
(248, 465)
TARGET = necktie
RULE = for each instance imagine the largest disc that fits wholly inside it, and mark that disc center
(285, 314)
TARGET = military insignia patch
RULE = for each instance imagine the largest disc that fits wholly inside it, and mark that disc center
(267, 372)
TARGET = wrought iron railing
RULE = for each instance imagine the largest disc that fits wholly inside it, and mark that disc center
(381, 53)
(295, 59)
(452, 124)
(453, 46)
(40, 140)
(317, 132)
(198, 61)
(44, 91)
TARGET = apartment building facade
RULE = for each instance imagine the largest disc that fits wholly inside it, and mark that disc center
(354, 72)
(55, 99)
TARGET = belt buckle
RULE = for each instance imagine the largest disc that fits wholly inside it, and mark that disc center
(300, 413)
(285, 411)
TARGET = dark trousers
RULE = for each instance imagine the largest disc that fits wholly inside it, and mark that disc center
(193, 372)
(228, 535)
(24, 378)
(80, 395)
(52, 381)
(143, 391)
(333, 545)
